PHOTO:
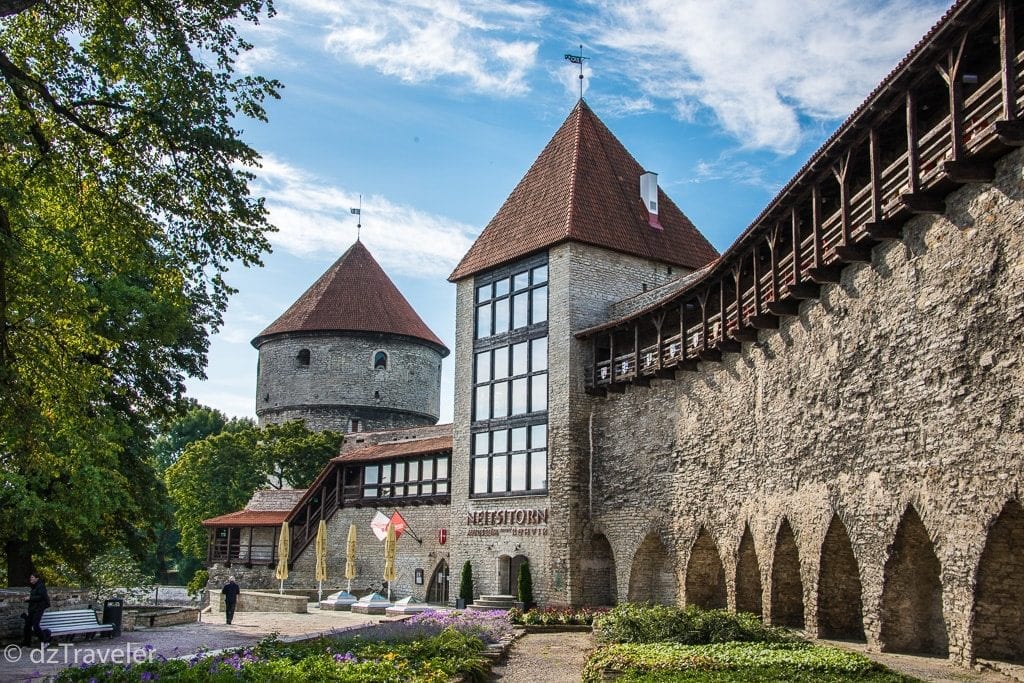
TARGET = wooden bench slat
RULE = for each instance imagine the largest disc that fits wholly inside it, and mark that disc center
(73, 622)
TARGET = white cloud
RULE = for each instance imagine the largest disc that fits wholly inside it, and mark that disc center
(760, 65)
(732, 171)
(476, 42)
(314, 217)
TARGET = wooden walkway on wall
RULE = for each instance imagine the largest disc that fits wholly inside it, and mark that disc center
(937, 122)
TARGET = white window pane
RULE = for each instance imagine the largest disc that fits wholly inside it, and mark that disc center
(385, 474)
(540, 274)
(539, 470)
(480, 443)
(399, 471)
(479, 475)
(517, 481)
(370, 493)
(519, 439)
(519, 359)
(427, 489)
(539, 392)
(539, 354)
(501, 287)
(483, 321)
(441, 487)
(540, 304)
(483, 293)
(539, 436)
(499, 474)
(442, 468)
(413, 471)
(500, 440)
(521, 281)
(371, 474)
(501, 322)
(483, 367)
(483, 403)
(500, 399)
(501, 363)
(520, 310)
(519, 396)
(428, 469)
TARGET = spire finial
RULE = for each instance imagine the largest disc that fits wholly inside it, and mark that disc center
(359, 221)
(578, 59)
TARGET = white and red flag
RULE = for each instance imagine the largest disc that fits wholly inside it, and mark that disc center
(379, 525)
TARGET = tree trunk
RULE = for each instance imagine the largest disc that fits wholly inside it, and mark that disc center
(19, 562)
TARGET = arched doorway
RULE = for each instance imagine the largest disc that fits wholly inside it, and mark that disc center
(705, 576)
(598, 569)
(787, 586)
(652, 577)
(912, 619)
(437, 589)
(508, 574)
(840, 608)
(748, 576)
(999, 602)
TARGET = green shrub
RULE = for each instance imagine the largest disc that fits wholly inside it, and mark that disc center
(524, 585)
(466, 583)
(198, 582)
(631, 623)
(796, 662)
(555, 616)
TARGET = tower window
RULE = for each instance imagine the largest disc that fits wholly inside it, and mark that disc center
(355, 426)
(380, 361)
(302, 358)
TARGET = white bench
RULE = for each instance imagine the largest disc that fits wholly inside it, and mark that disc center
(74, 622)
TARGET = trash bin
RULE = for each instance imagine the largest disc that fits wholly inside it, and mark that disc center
(113, 611)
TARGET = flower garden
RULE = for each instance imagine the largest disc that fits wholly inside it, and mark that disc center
(635, 643)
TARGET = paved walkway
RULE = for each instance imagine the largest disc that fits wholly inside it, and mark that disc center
(931, 669)
(546, 658)
(21, 664)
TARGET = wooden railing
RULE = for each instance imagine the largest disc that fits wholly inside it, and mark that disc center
(823, 249)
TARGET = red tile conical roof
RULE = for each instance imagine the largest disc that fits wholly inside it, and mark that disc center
(584, 187)
(354, 295)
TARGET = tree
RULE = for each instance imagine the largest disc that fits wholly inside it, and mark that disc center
(123, 199)
(198, 423)
(219, 474)
(524, 585)
(117, 569)
(466, 583)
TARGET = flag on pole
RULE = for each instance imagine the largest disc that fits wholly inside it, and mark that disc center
(399, 523)
(379, 525)
(356, 212)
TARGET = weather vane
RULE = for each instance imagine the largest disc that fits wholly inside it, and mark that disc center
(578, 59)
(359, 221)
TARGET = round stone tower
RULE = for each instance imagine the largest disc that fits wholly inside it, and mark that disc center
(350, 355)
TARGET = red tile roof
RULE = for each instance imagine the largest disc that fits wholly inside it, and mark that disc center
(249, 518)
(584, 187)
(354, 295)
(397, 449)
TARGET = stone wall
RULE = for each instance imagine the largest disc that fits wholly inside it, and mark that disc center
(256, 601)
(340, 382)
(13, 603)
(868, 446)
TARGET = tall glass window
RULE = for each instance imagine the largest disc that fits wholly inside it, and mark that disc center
(510, 398)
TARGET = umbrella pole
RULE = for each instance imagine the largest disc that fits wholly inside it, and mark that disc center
(349, 589)
(280, 590)
(320, 592)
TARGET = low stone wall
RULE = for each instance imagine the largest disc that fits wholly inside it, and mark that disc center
(254, 601)
(13, 603)
(171, 617)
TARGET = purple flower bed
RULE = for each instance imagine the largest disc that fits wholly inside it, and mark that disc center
(489, 626)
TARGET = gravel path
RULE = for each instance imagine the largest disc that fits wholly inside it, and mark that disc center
(21, 664)
(931, 669)
(546, 658)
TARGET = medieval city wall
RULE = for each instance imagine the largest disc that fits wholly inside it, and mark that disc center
(341, 383)
(888, 413)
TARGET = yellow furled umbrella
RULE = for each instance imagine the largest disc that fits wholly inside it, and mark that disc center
(321, 558)
(283, 548)
(350, 556)
(390, 551)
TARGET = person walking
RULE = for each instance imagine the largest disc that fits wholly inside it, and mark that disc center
(230, 591)
(38, 601)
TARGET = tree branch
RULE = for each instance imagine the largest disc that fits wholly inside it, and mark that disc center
(11, 7)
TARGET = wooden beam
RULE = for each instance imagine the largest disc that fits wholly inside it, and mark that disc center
(913, 170)
(818, 260)
(951, 72)
(841, 172)
(745, 334)
(875, 161)
(1010, 133)
(969, 171)
(728, 346)
(1008, 60)
(795, 227)
(804, 290)
(790, 308)
(884, 230)
(711, 355)
(923, 202)
(853, 253)
(764, 321)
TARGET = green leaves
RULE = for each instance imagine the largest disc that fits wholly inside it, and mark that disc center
(123, 199)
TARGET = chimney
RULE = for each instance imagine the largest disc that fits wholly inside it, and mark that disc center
(649, 193)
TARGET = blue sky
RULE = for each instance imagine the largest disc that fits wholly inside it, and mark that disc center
(434, 109)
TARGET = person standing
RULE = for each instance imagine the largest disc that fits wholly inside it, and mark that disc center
(38, 601)
(230, 591)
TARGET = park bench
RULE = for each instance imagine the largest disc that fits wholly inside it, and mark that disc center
(74, 622)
